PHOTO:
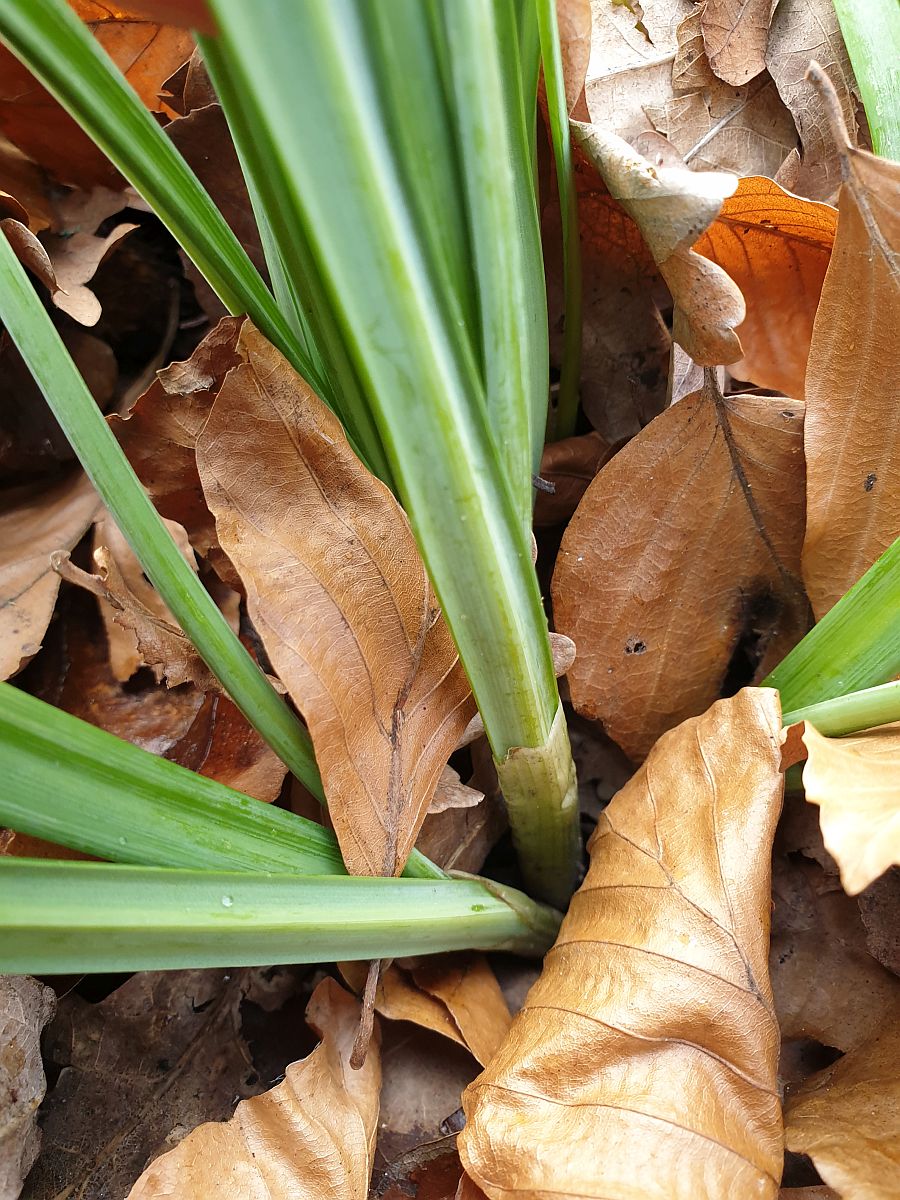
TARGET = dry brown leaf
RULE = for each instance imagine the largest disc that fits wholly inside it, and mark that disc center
(685, 547)
(30, 253)
(574, 20)
(460, 839)
(162, 645)
(25, 1008)
(76, 259)
(776, 247)
(569, 466)
(34, 523)
(847, 1119)
(339, 596)
(310, 1138)
(852, 434)
(856, 783)
(456, 995)
(735, 34)
(643, 1063)
(451, 792)
(672, 207)
(803, 31)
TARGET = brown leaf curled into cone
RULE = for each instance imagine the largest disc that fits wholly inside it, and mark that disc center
(856, 783)
(685, 546)
(847, 1119)
(310, 1138)
(672, 206)
(852, 434)
(643, 1064)
(776, 247)
(339, 595)
(25, 1008)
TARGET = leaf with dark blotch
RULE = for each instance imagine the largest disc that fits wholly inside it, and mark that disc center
(681, 564)
(339, 595)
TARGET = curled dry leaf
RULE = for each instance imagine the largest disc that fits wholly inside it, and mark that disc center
(25, 1008)
(735, 35)
(34, 523)
(672, 207)
(683, 555)
(847, 1118)
(451, 792)
(456, 995)
(339, 595)
(856, 783)
(569, 465)
(852, 434)
(776, 247)
(643, 1063)
(310, 1138)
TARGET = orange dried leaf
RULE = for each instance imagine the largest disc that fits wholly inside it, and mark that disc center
(339, 595)
(644, 1062)
(856, 783)
(685, 544)
(310, 1138)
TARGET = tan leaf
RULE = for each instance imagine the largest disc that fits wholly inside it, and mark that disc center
(75, 260)
(853, 420)
(456, 995)
(162, 645)
(735, 33)
(856, 783)
(569, 465)
(460, 839)
(310, 1138)
(672, 207)
(30, 253)
(803, 31)
(451, 792)
(338, 593)
(847, 1119)
(643, 1063)
(776, 247)
(691, 69)
(574, 19)
(33, 523)
(25, 1008)
(685, 547)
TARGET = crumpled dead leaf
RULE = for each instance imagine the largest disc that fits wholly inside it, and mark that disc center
(310, 1138)
(735, 34)
(25, 1008)
(684, 549)
(451, 792)
(644, 1060)
(340, 598)
(456, 995)
(672, 207)
(776, 247)
(33, 523)
(852, 433)
(847, 1118)
(855, 781)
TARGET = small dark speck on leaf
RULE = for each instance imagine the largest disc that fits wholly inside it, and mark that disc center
(788, 413)
(870, 481)
(634, 645)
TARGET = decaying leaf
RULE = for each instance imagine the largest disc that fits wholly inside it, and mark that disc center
(856, 783)
(338, 593)
(644, 1061)
(310, 1138)
(33, 523)
(25, 1008)
(735, 34)
(455, 995)
(776, 247)
(574, 20)
(847, 1118)
(460, 839)
(451, 792)
(568, 466)
(852, 433)
(682, 558)
(672, 207)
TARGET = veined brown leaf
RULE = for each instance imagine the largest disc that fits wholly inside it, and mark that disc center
(25, 1008)
(735, 33)
(852, 433)
(685, 545)
(643, 1064)
(847, 1119)
(337, 590)
(856, 783)
(310, 1138)
(569, 466)
(776, 248)
(574, 18)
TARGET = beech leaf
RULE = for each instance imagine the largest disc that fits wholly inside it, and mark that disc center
(686, 544)
(852, 434)
(644, 1061)
(776, 247)
(672, 206)
(310, 1138)
(339, 595)
(25, 1008)
(736, 33)
(856, 783)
